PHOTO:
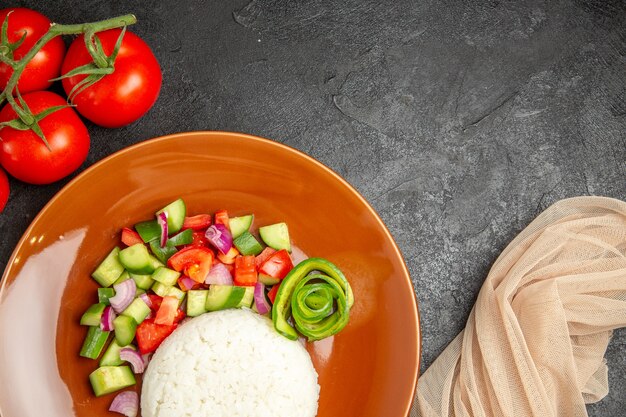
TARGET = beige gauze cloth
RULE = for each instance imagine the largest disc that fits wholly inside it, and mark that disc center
(535, 341)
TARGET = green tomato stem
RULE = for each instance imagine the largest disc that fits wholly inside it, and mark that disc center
(54, 31)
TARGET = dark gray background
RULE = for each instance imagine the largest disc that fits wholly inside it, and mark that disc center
(459, 121)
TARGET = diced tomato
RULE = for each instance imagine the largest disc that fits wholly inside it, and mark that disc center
(262, 257)
(180, 314)
(156, 301)
(199, 222)
(221, 217)
(272, 293)
(278, 265)
(231, 268)
(130, 237)
(195, 261)
(199, 240)
(245, 271)
(150, 335)
(168, 311)
(229, 257)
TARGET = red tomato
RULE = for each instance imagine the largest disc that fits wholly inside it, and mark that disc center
(130, 237)
(272, 293)
(221, 217)
(196, 261)
(124, 96)
(245, 271)
(278, 265)
(46, 64)
(4, 190)
(229, 257)
(199, 240)
(199, 222)
(263, 256)
(150, 335)
(24, 155)
(156, 301)
(167, 311)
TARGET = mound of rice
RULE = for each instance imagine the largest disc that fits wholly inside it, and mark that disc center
(229, 363)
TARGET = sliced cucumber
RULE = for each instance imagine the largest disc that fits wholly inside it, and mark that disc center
(267, 280)
(221, 297)
(238, 225)
(104, 294)
(176, 212)
(138, 310)
(165, 276)
(137, 259)
(148, 231)
(125, 328)
(92, 316)
(276, 236)
(108, 379)
(160, 289)
(122, 278)
(196, 302)
(109, 270)
(247, 299)
(94, 342)
(142, 281)
(175, 292)
(111, 356)
(247, 244)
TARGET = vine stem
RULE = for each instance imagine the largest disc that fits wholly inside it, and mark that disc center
(54, 31)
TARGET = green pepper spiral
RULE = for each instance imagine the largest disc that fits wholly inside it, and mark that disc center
(319, 303)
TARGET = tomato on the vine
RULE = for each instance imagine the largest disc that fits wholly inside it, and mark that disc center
(4, 189)
(25, 156)
(47, 62)
(125, 95)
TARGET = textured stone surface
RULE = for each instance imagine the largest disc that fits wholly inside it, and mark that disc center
(458, 121)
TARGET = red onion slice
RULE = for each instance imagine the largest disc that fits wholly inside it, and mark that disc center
(259, 299)
(134, 358)
(106, 321)
(188, 283)
(162, 220)
(297, 255)
(126, 403)
(144, 297)
(220, 275)
(146, 359)
(124, 295)
(220, 237)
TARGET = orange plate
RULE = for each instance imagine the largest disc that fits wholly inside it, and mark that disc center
(368, 370)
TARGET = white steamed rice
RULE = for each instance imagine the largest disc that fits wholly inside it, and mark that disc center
(229, 363)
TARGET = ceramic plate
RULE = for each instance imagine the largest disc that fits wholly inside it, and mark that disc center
(368, 370)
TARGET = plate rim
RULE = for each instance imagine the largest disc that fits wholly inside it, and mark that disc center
(173, 136)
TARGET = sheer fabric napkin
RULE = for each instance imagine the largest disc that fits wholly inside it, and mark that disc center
(535, 340)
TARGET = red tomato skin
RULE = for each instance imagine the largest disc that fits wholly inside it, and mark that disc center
(277, 265)
(197, 223)
(150, 335)
(120, 98)
(4, 189)
(24, 155)
(130, 237)
(47, 62)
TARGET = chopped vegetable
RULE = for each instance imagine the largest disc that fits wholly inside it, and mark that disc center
(130, 237)
(149, 230)
(220, 275)
(262, 257)
(92, 316)
(183, 238)
(272, 293)
(221, 297)
(186, 283)
(219, 236)
(134, 359)
(108, 379)
(162, 220)
(277, 265)
(104, 294)
(310, 299)
(165, 276)
(228, 258)
(124, 295)
(94, 342)
(106, 322)
(263, 307)
(245, 271)
(238, 225)
(167, 311)
(138, 310)
(150, 335)
(111, 356)
(194, 261)
(126, 403)
(221, 217)
(276, 236)
(198, 222)
(109, 270)
(247, 244)
(137, 259)
(125, 327)
(175, 212)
